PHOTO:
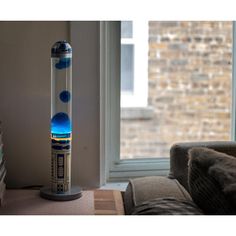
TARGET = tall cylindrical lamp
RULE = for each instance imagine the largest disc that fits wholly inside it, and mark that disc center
(61, 125)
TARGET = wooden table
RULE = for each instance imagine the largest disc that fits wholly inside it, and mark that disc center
(28, 202)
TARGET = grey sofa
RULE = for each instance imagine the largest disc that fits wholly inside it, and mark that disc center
(145, 189)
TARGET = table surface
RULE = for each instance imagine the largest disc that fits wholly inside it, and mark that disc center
(28, 202)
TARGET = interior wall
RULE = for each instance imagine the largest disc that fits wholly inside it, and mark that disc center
(25, 104)
(86, 103)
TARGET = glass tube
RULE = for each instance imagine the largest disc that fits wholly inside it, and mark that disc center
(61, 116)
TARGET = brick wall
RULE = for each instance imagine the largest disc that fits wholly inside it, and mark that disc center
(189, 81)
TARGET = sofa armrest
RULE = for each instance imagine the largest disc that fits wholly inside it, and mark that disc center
(148, 188)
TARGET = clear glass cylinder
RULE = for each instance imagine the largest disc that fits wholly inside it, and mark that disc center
(61, 94)
(61, 116)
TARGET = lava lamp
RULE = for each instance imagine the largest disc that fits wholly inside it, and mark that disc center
(61, 125)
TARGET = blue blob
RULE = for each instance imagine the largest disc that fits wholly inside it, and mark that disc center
(63, 63)
(60, 124)
(65, 96)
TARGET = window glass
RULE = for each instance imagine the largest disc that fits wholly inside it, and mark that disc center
(189, 88)
(126, 29)
(127, 67)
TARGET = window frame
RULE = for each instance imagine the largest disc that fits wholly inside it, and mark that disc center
(117, 169)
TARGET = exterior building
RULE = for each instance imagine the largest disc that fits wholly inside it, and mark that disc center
(189, 89)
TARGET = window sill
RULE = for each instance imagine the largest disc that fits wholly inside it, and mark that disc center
(136, 113)
(126, 169)
(121, 186)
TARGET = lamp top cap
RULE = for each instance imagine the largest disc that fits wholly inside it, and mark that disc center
(61, 48)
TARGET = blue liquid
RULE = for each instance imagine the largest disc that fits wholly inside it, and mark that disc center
(65, 96)
(61, 125)
(63, 63)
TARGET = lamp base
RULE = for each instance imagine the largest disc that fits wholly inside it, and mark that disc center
(74, 193)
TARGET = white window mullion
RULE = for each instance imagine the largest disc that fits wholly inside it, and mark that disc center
(141, 63)
(139, 96)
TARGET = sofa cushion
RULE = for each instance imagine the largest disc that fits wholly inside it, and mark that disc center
(167, 206)
(144, 189)
(179, 157)
(212, 180)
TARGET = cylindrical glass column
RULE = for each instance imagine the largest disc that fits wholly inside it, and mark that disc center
(61, 116)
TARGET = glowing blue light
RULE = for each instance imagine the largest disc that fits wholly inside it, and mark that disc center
(60, 124)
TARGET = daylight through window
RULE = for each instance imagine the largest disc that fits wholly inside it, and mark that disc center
(184, 81)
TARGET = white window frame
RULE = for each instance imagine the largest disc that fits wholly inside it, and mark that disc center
(117, 169)
(139, 96)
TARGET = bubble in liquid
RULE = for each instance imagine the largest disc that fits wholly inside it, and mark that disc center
(65, 96)
(60, 123)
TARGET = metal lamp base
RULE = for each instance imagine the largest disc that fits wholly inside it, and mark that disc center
(74, 193)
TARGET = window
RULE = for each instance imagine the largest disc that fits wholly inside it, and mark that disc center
(110, 84)
(189, 89)
(188, 94)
